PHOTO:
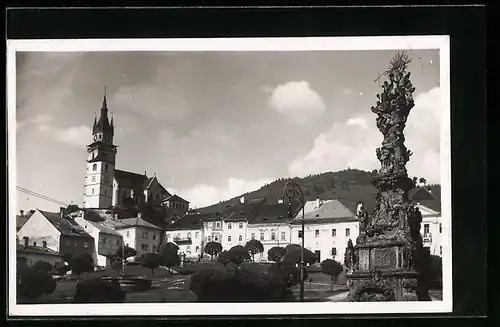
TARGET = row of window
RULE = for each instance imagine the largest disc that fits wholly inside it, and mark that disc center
(177, 205)
(273, 236)
(145, 248)
(188, 249)
(94, 167)
(217, 224)
(145, 235)
(105, 240)
(178, 236)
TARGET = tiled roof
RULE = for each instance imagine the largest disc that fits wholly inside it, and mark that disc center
(67, 226)
(190, 221)
(271, 214)
(424, 197)
(21, 220)
(242, 211)
(130, 180)
(37, 249)
(134, 222)
(175, 198)
(104, 228)
(330, 211)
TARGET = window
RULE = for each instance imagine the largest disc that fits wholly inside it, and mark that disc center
(188, 249)
(94, 167)
(93, 178)
(85, 245)
(273, 236)
(209, 238)
(189, 235)
(144, 247)
(426, 229)
(347, 232)
(154, 236)
(196, 235)
(440, 250)
(261, 236)
(316, 233)
(154, 248)
(92, 191)
(126, 244)
(216, 238)
(44, 244)
(218, 224)
(440, 228)
(241, 225)
(106, 168)
(334, 232)
(105, 192)
(76, 245)
(197, 248)
(213, 224)
(300, 234)
(240, 238)
(145, 235)
(229, 238)
(34, 243)
(128, 234)
(283, 236)
(253, 236)
(334, 252)
(229, 226)
(93, 155)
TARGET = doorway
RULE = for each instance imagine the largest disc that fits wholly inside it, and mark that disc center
(318, 255)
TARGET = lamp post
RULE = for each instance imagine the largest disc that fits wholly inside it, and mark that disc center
(294, 192)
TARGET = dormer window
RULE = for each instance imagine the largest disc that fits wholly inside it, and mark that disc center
(94, 167)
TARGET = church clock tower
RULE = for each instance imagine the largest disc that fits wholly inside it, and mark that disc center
(100, 162)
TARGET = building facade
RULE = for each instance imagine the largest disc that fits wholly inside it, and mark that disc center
(27, 256)
(140, 235)
(53, 231)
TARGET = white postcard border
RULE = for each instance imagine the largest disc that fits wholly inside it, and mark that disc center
(237, 44)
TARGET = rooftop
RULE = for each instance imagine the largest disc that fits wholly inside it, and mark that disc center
(271, 214)
(67, 226)
(134, 222)
(36, 250)
(190, 221)
(427, 199)
(331, 211)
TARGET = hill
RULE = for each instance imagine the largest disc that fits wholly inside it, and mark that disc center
(350, 186)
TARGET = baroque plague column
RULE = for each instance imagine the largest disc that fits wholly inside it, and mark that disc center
(384, 264)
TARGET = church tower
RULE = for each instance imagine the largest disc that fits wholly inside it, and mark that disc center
(100, 162)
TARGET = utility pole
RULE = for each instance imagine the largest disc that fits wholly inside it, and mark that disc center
(294, 192)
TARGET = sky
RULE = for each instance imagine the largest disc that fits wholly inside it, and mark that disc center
(212, 125)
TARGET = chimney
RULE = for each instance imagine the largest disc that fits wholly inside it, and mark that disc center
(317, 202)
(242, 199)
(139, 214)
(22, 213)
(61, 211)
(116, 215)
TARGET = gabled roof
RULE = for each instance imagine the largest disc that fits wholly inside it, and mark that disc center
(66, 226)
(147, 182)
(271, 214)
(135, 222)
(103, 228)
(175, 198)
(242, 211)
(424, 197)
(330, 211)
(190, 221)
(20, 221)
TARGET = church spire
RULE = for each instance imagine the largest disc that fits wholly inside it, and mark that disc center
(104, 107)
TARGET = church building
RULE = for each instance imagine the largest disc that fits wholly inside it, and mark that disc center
(108, 187)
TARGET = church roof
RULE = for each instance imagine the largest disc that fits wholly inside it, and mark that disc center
(130, 180)
(175, 198)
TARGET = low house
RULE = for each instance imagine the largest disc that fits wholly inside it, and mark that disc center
(56, 232)
(28, 255)
(327, 230)
(106, 240)
(139, 234)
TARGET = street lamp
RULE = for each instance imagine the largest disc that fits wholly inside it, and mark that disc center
(294, 192)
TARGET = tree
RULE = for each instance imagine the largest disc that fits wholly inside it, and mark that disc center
(254, 247)
(223, 258)
(350, 246)
(237, 255)
(213, 249)
(276, 254)
(125, 253)
(43, 266)
(169, 255)
(331, 268)
(82, 263)
(293, 255)
(151, 261)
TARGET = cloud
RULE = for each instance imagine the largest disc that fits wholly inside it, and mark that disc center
(345, 145)
(297, 101)
(74, 135)
(357, 121)
(347, 91)
(36, 120)
(202, 195)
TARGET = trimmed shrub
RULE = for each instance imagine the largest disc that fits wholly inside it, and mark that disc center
(223, 258)
(237, 255)
(254, 247)
(244, 286)
(288, 273)
(213, 249)
(97, 290)
(331, 268)
(276, 254)
(151, 261)
(169, 256)
(82, 263)
(34, 283)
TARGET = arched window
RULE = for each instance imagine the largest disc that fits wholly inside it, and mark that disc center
(94, 167)
(93, 155)
(106, 168)
(92, 191)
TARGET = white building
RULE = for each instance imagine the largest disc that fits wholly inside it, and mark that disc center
(187, 234)
(106, 240)
(139, 234)
(56, 232)
(327, 230)
(431, 227)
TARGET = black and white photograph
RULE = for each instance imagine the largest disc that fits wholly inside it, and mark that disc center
(299, 175)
